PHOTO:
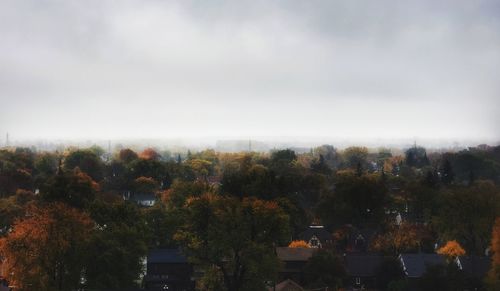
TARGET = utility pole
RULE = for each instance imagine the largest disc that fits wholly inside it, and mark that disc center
(7, 143)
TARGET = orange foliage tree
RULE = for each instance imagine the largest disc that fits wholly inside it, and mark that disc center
(403, 238)
(298, 244)
(451, 249)
(149, 154)
(45, 249)
(493, 279)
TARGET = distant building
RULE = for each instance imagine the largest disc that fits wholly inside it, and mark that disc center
(294, 260)
(316, 236)
(141, 199)
(168, 269)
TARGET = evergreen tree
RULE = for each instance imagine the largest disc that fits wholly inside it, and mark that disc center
(447, 175)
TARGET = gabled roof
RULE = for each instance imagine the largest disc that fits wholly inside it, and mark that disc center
(415, 265)
(317, 231)
(287, 285)
(142, 196)
(166, 256)
(475, 266)
(363, 265)
(294, 254)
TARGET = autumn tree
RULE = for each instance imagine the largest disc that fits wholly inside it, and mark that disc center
(298, 244)
(145, 185)
(87, 161)
(467, 215)
(493, 279)
(127, 155)
(45, 250)
(149, 154)
(74, 187)
(237, 237)
(398, 239)
(451, 249)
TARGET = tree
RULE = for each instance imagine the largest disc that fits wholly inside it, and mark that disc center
(45, 249)
(75, 188)
(116, 247)
(389, 271)
(127, 155)
(298, 244)
(145, 185)
(451, 249)
(237, 237)
(355, 157)
(324, 269)
(356, 199)
(87, 161)
(402, 238)
(150, 154)
(467, 215)
(416, 157)
(447, 174)
(493, 280)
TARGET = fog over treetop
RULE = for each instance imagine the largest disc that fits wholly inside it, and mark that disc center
(154, 69)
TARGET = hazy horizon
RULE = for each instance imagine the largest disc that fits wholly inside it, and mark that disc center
(384, 70)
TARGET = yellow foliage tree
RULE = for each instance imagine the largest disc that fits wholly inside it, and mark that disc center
(452, 249)
(298, 244)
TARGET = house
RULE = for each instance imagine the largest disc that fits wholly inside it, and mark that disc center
(362, 269)
(293, 262)
(475, 269)
(316, 236)
(415, 265)
(168, 269)
(287, 285)
(141, 199)
(360, 240)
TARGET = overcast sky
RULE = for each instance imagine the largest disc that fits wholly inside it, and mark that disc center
(116, 69)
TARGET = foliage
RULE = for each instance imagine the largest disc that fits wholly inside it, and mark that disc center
(87, 161)
(451, 249)
(298, 244)
(324, 269)
(493, 279)
(237, 237)
(45, 249)
(467, 214)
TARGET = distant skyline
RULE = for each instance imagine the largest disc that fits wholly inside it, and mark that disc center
(360, 70)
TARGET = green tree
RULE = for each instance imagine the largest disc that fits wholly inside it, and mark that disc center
(87, 161)
(237, 237)
(466, 214)
(324, 269)
(120, 239)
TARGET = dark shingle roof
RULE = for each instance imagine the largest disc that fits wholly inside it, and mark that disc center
(415, 265)
(142, 196)
(363, 265)
(294, 254)
(318, 231)
(166, 256)
(475, 266)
